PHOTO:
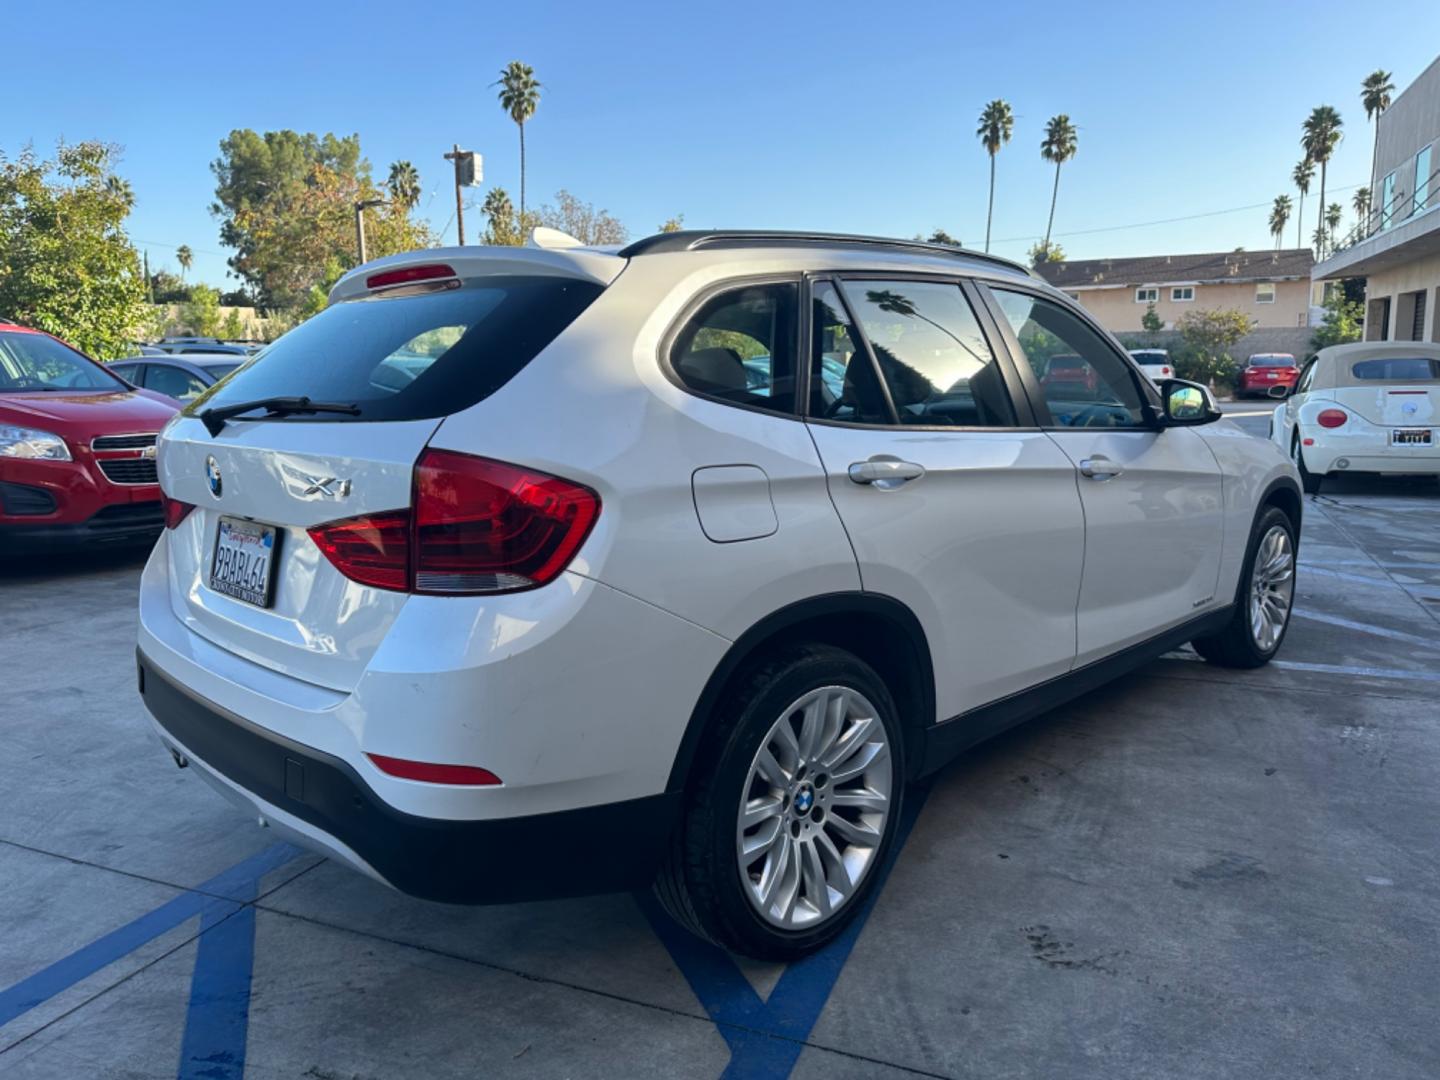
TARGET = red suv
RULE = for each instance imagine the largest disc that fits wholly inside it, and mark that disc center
(77, 447)
(1068, 373)
(1268, 375)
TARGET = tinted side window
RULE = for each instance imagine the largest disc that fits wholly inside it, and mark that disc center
(935, 361)
(843, 382)
(1399, 368)
(1084, 382)
(173, 382)
(741, 347)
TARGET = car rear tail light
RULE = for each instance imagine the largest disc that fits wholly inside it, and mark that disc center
(476, 526)
(432, 773)
(409, 275)
(1165, 371)
(1332, 418)
(175, 510)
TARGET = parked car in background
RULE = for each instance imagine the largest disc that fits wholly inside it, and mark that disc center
(1068, 373)
(670, 616)
(1267, 375)
(77, 448)
(181, 378)
(1155, 363)
(1370, 406)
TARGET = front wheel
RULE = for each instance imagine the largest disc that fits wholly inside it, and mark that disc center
(1253, 635)
(1309, 481)
(795, 807)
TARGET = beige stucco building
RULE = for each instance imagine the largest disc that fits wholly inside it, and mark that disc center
(1398, 249)
(1272, 287)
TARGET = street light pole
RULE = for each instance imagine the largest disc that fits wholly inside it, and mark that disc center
(455, 155)
(360, 208)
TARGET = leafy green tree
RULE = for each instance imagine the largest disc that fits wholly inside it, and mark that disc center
(504, 228)
(1151, 321)
(404, 184)
(940, 236)
(1344, 321)
(1279, 216)
(201, 313)
(1302, 176)
(1375, 94)
(66, 265)
(1041, 253)
(674, 224)
(186, 258)
(233, 327)
(1361, 204)
(286, 203)
(1208, 337)
(1060, 143)
(997, 123)
(519, 97)
(167, 288)
(1334, 214)
(1320, 135)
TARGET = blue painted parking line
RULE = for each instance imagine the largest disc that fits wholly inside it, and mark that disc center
(767, 1037)
(223, 892)
(217, 1019)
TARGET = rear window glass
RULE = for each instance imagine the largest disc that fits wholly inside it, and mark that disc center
(1143, 357)
(1398, 369)
(1272, 361)
(412, 356)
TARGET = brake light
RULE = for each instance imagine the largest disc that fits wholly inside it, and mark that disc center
(1164, 371)
(408, 275)
(1332, 418)
(175, 510)
(432, 773)
(476, 526)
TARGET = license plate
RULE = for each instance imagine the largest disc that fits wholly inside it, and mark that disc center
(1410, 437)
(244, 561)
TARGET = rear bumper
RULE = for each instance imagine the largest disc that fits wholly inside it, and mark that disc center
(321, 802)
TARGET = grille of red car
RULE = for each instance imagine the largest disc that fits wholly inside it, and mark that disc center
(123, 442)
(129, 470)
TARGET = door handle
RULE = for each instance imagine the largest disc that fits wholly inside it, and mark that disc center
(1099, 467)
(885, 473)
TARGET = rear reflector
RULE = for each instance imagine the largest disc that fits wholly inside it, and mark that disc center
(1332, 418)
(175, 510)
(431, 773)
(476, 526)
(407, 275)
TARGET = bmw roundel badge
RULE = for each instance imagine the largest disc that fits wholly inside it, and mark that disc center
(212, 476)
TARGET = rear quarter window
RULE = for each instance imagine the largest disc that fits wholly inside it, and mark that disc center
(416, 355)
(1398, 369)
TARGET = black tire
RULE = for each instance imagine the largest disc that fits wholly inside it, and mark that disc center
(699, 883)
(1309, 481)
(1235, 645)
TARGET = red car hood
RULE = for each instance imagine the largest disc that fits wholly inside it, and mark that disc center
(80, 412)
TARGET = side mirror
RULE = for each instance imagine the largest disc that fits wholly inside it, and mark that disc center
(1187, 403)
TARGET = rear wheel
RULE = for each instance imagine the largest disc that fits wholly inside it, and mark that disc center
(794, 809)
(1309, 481)
(1253, 635)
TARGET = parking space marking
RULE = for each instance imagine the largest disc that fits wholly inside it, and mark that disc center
(217, 1018)
(766, 1038)
(64, 973)
(1368, 628)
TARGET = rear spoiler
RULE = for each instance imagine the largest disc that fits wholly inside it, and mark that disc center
(583, 264)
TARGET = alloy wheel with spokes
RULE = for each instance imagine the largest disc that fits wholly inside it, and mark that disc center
(814, 808)
(1272, 587)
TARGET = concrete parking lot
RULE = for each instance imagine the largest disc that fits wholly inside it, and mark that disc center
(1192, 873)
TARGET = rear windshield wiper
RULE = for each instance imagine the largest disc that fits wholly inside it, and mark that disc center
(214, 418)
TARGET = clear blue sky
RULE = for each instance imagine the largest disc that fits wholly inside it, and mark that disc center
(838, 116)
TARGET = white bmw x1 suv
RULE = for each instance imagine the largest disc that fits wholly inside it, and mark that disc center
(549, 570)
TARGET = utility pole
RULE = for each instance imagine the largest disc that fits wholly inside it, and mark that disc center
(360, 208)
(467, 174)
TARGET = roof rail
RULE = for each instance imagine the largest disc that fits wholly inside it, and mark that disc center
(693, 239)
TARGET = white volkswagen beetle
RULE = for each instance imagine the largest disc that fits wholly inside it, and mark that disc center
(1371, 406)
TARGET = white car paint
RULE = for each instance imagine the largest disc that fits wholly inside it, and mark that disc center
(1155, 363)
(1373, 408)
(713, 518)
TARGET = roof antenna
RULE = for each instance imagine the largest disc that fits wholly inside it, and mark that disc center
(552, 239)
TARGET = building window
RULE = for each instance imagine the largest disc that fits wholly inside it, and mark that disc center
(1387, 199)
(1147, 295)
(1182, 294)
(1265, 292)
(1422, 179)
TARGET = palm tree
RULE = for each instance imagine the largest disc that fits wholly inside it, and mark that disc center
(184, 256)
(404, 184)
(1303, 174)
(1279, 217)
(1334, 214)
(1058, 146)
(996, 124)
(1361, 203)
(1375, 94)
(519, 96)
(1321, 134)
